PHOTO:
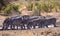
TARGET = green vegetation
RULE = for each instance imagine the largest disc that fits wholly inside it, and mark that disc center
(0, 5)
(9, 8)
(35, 6)
(30, 6)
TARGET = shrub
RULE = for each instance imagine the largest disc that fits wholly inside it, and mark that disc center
(39, 6)
(9, 8)
(0, 6)
(30, 6)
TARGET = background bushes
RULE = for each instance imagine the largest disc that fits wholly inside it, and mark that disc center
(35, 6)
(7, 9)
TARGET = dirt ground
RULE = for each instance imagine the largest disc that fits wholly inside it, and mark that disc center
(33, 32)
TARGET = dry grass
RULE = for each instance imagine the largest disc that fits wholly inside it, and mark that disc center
(33, 32)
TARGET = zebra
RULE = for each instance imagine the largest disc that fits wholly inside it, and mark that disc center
(33, 21)
(6, 23)
(13, 21)
(21, 21)
(46, 22)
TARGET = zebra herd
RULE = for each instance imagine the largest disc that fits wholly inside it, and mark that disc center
(28, 21)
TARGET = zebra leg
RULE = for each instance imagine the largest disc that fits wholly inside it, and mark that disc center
(24, 27)
(28, 27)
(47, 26)
(34, 26)
(17, 27)
(21, 27)
(40, 25)
(54, 25)
(3, 27)
(11, 27)
(6, 27)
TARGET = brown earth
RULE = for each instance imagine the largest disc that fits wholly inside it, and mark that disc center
(33, 32)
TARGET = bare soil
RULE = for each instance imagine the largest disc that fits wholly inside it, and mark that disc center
(33, 32)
